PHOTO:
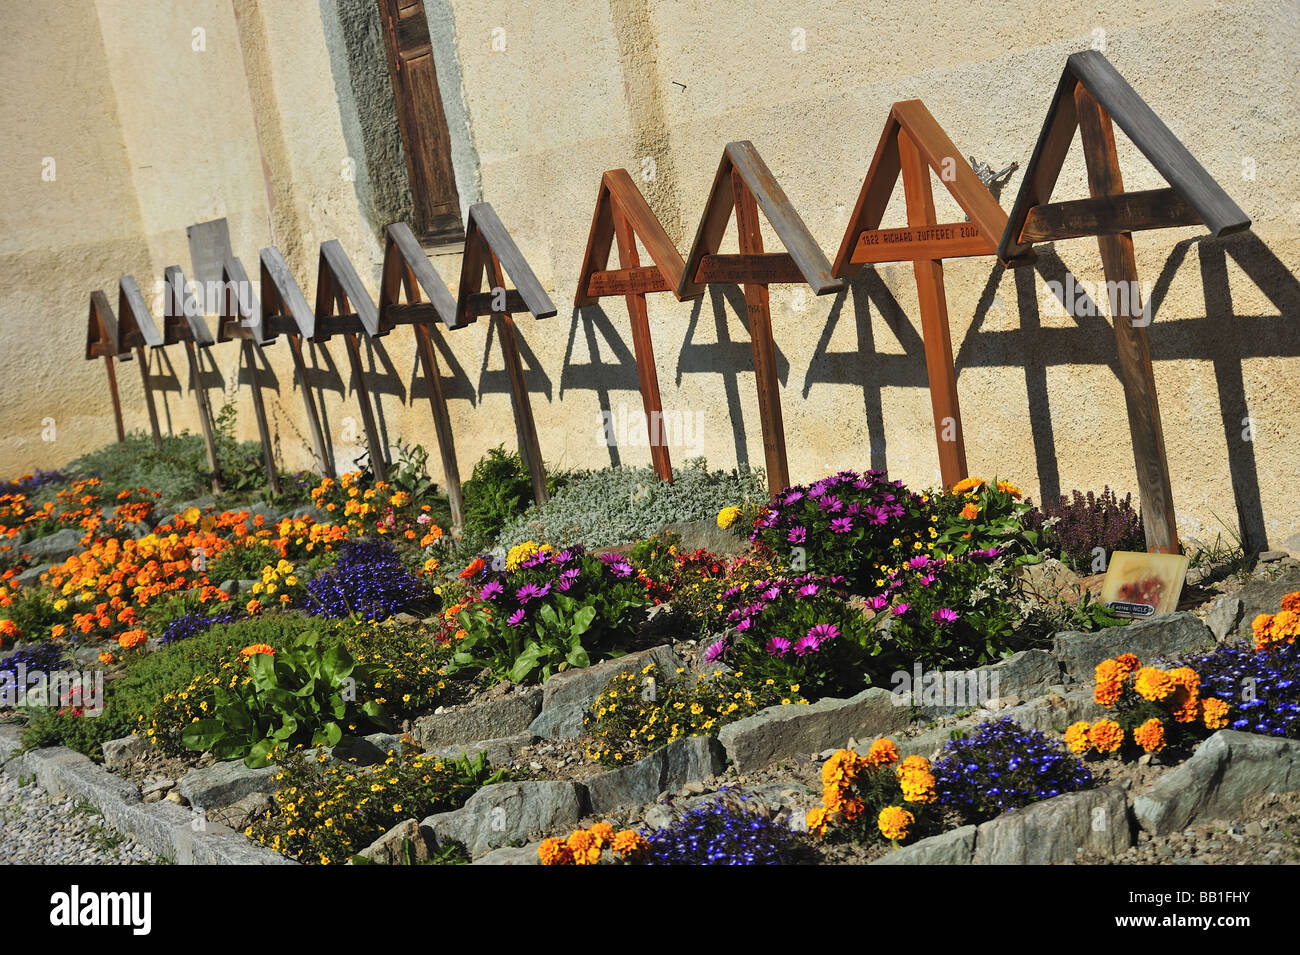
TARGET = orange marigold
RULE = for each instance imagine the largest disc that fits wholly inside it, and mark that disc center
(584, 848)
(255, 648)
(472, 570)
(630, 844)
(1153, 684)
(883, 752)
(1105, 736)
(1214, 713)
(1127, 663)
(895, 822)
(603, 833)
(1076, 737)
(1107, 694)
(816, 820)
(554, 852)
(132, 638)
(1291, 601)
(970, 512)
(1150, 735)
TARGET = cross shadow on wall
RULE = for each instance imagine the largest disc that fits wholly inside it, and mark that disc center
(726, 358)
(497, 381)
(1220, 336)
(597, 374)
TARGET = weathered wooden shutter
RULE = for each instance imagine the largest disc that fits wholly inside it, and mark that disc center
(425, 139)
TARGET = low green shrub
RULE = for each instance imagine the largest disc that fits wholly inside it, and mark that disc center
(621, 505)
(498, 491)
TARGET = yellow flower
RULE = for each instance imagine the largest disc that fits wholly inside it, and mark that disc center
(727, 516)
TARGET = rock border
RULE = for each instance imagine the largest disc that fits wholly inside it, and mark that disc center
(167, 829)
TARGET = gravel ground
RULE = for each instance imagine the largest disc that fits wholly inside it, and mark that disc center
(38, 829)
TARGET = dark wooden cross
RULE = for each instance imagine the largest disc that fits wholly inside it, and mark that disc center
(102, 342)
(488, 250)
(407, 269)
(1090, 96)
(183, 321)
(285, 312)
(745, 184)
(912, 145)
(240, 318)
(136, 329)
(622, 212)
(344, 307)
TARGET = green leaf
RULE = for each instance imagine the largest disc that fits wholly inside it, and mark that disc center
(526, 662)
(337, 664)
(261, 667)
(202, 735)
(582, 620)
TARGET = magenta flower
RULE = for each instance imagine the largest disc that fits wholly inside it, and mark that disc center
(778, 646)
(715, 650)
(805, 645)
(841, 525)
(808, 590)
(745, 624)
(901, 608)
(516, 618)
(797, 535)
(918, 562)
(878, 603)
(945, 616)
(527, 592)
(491, 589)
(771, 593)
(876, 515)
(823, 632)
(830, 504)
(794, 495)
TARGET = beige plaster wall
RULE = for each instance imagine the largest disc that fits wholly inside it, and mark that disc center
(581, 87)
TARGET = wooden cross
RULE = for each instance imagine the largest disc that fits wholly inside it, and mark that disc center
(183, 322)
(338, 292)
(489, 249)
(407, 268)
(745, 184)
(912, 145)
(622, 212)
(285, 312)
(102, 341)
(136, 329)
(1090, 95)
(240, 318)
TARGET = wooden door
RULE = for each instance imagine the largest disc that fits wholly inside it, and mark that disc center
(425, 139)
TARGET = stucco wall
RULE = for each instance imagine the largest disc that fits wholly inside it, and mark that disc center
(581, 87)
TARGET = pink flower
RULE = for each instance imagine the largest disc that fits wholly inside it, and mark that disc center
(901, 608)
(945, 616)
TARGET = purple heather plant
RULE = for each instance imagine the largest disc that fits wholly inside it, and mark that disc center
(1088, 521)
(723, 833)
(1004, 766)
(369, 580)
(848, 524)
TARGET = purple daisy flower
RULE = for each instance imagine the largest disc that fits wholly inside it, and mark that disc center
(492, 588)
(745, 624)
(771, 593)
(927, 580)
(830, 504)
(841, 525)
(797, 535)
(918, 562)
(778, 646)
(527, 592)
(901, 608)
(621, 569)
(516, 618)
(878, 602)
(805, 645)
(945, 616)
(715, 650)
(823, 632)
(809, 590)
(794, 496)
(876, 515)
